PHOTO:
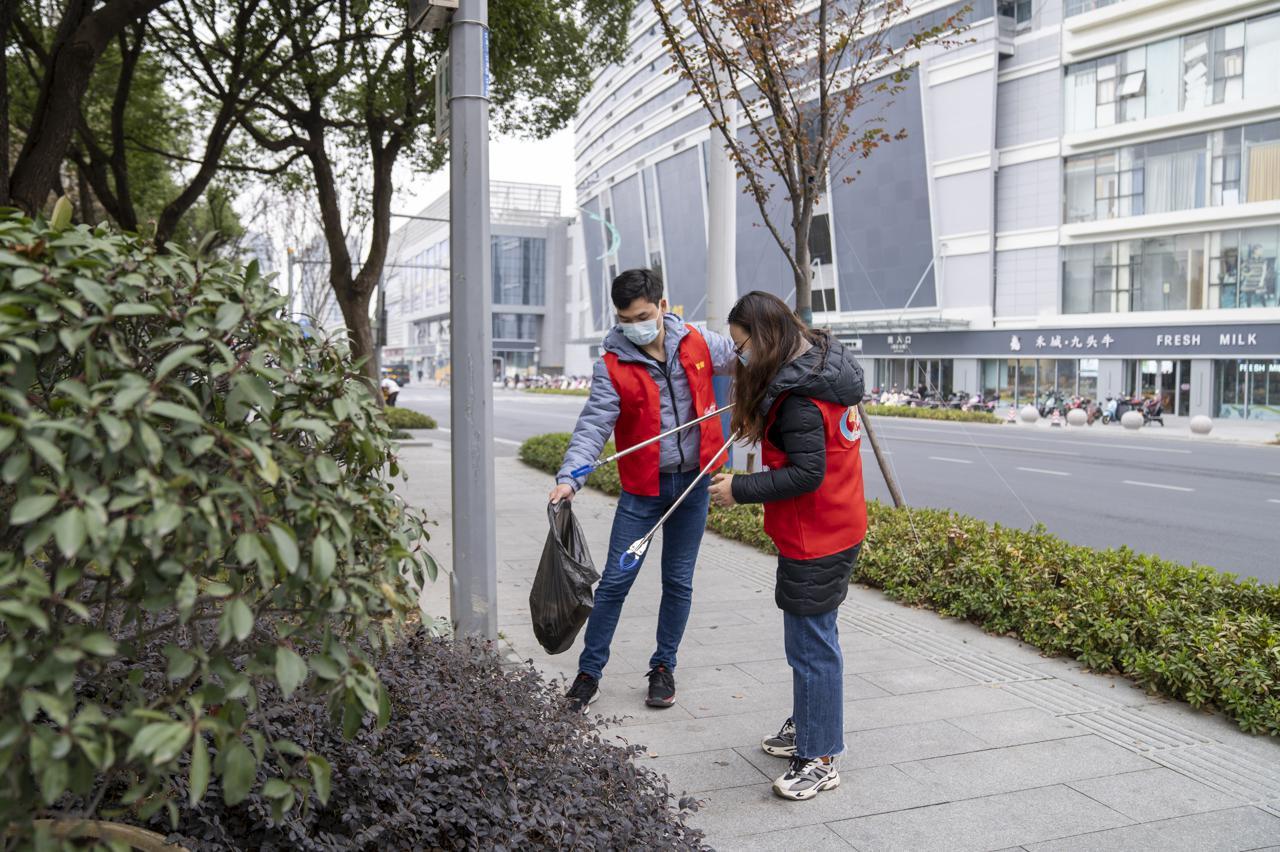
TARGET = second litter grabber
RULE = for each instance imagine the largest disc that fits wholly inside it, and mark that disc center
(586, 469)
(633, 554)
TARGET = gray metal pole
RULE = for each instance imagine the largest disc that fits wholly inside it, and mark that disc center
(722, 221)
(475, 558)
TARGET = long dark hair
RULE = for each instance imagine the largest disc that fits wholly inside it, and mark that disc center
(776, 334)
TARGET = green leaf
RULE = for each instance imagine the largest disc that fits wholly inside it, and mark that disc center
(327, 470)
(99, 644)
(291, 670)
(48, 451)
(161, 742)
(228, 315)
(176, 412)
(286, 547)
(325, 667)
(26, 276)
(30, 509)
(321, 776)
(69, 532)
(238, 771)
(181, 355)
(27, 612)
(185, 595)
(276, 789)
(323, 558)
(134, 309)
(241, 619)
(198, 774)
(60, 220)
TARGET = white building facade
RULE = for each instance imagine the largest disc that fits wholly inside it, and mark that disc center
(1087, 201)
(528, 254)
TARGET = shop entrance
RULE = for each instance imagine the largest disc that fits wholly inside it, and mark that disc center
(1170, 381)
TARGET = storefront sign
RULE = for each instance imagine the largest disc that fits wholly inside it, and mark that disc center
(1220, 340)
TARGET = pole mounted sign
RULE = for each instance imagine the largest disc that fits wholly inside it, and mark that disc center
(431, 15)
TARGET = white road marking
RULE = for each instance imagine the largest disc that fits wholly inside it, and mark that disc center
(506, 441)
(953, 461)
(1157, 485)
(975, 445)
(1042, 470)
(1273, 501)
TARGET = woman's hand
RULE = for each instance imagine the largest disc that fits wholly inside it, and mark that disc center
(722, 490)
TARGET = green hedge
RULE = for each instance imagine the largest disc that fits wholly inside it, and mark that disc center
(1187, 632)
(404, 418)
(932, 413)
(560, 391)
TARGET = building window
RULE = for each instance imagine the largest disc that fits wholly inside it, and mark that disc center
(1019, 10)
(1079, 7)
(519, 270)
(1262, 160)
(515, 327)
(1168, 273)
(1248, 389)
(1194, 71)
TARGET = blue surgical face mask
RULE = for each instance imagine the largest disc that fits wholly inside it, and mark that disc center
(743, 357)
(640, 333)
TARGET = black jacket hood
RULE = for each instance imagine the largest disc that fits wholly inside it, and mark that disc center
(827, 371)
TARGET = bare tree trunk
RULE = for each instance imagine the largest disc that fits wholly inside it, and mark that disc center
(355, 312)
(82, 36)
(804, 282)
(87, 215)
(7, 10)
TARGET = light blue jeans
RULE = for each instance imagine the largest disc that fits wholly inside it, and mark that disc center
(681, 539)
(817, 682)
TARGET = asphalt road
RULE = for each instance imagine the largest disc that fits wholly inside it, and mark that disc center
(1211, 503)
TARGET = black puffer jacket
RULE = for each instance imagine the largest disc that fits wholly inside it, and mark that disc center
(828, 372)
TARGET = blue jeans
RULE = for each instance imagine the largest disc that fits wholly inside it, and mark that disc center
(817, 682)
(681, 538)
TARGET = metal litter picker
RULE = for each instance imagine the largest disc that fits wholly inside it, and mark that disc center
(631, 558)
(586, 469)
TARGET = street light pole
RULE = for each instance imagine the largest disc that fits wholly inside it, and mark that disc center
(475, 584)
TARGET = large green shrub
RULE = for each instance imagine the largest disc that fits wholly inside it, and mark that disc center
(181, 471)
(954, 414)
(1188, 632)
(405, 418)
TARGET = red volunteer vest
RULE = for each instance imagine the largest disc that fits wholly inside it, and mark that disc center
(640, 412)
(834, 517)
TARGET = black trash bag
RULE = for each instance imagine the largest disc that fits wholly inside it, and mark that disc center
(561, 599)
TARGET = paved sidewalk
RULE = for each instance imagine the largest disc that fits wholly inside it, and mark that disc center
(956, 740)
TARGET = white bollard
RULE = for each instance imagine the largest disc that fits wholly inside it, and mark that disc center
(1201, 425)
(1029, 414)
(1077, 417)
(1131, 420)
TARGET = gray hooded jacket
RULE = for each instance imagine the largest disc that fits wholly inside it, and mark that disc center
(595, 424)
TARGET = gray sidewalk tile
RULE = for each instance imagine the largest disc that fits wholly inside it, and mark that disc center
(1018, 727)
(888, 746)
(683, 737)
(1112, 687)
(1219, 831)
(789, 840)
(1005, 770)
(1154, 794)
(721, 701)
(927, 707)
(926, 678)
(993, 822)
(855, 662)
(743, 811)
(704, 771)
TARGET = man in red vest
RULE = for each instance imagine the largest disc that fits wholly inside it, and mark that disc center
(655, 375)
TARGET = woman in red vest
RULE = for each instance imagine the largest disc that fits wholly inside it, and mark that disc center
(796, 393)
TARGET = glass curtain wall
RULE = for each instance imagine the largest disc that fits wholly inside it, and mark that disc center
(1222, 168)
(1018, 381)
(1248, 389)
(1226, 64)
(519, 270)
(1169, 273)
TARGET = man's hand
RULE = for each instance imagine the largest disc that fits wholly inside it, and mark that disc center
(561, 492)
(722, 490)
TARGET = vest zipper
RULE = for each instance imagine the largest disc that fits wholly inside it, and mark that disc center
(675, 411)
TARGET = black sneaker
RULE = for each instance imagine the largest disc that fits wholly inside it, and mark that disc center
(783, 743)
(585, 690)
(662, 687)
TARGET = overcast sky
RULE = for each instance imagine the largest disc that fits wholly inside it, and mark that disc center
(548, 161)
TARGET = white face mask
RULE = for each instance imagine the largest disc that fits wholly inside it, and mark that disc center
(640, 333)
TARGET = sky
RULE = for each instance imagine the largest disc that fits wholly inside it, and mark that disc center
(510, 159)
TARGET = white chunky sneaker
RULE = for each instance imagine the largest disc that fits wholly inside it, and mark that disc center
(805, 779)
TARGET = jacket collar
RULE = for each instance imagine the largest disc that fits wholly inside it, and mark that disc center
(616, 342)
